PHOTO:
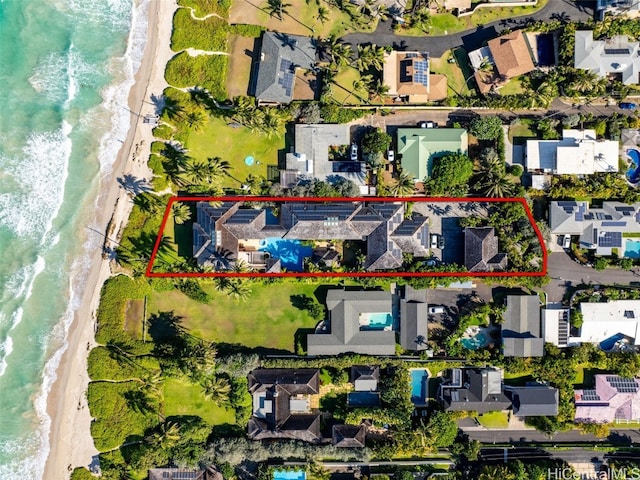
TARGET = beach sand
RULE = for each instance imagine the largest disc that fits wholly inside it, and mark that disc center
(70, 437)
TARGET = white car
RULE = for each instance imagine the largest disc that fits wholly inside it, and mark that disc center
(434, 240)
(354, 152)
(391, 155)
(436, 309)
(427, 124)
(566, 242)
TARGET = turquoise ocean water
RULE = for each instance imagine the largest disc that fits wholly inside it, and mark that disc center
(66, 67)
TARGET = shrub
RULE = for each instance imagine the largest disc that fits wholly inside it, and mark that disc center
(209, 34)
(332, 113)
(516, 170)
(202, 8)
(165, 132)
(486, 128)
(207, 71)
(245, 30)
(81, 473)
(601, 263)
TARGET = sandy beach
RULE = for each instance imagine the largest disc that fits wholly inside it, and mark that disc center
(70, 437)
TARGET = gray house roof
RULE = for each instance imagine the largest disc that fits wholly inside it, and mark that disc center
(599, 228)
(533, 400)
(480, 391)
(521, 327)
(413, 325)
(280, 55)
(349, 436)
(481, 250)
(365, 378)
(613, 55)
(346, 309)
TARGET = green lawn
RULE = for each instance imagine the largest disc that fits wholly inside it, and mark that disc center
(455, 77)
(266, 319)
(343, 87)
(520, 131)
(184, 398)
(584, 376)
(217, 139)
(493, 420)
(512, 87)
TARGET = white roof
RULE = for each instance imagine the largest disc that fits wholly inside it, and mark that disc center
(551, 324)
(613, 55)
(578, 153)
(606, 319)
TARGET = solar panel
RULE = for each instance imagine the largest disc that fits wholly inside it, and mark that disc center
(616, 51)
(590, 396)
(626, 214)
(623, 385)
(614, 224)
(610, 239)
(600, 215)
(624, 209)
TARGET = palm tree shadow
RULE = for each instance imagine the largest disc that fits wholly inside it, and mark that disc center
(165, 327)
(134, 185)
(138, 401)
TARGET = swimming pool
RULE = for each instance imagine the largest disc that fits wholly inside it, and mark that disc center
(419, 386)
(633, 174)
(376, 320)
(290, 252)
(476, 342)
(632, 248)
(608, 343)
(289, 475)
(363, 399)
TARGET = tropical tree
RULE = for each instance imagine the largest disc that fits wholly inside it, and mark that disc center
(173, 108)
(378, 90)
(277, 8)
(486, 128)
(323, 14)
(166, 437)
(369, 56)
(404, 185)
(195, 119)
(239, 290)
(181, 212)
(217, 389)
(420, 18)
(339, 52)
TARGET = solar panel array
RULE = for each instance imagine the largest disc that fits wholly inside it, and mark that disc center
(321, 212)
(409, 227)
(568, 207)
(623, 385)
(244, 216)
(590, 396)
(286, 80)
(580, 212)
(603, 216)
(616, 51)
(424, 236)
(614, 224)
(610, 239)
(625, 209)
(421, 72)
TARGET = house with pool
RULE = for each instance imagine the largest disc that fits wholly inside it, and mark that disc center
(611, 228)
(612, 325)
(276, 239)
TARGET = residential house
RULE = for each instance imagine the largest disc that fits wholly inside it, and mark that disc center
(365, 383)
(613, 399)
(578, 153)
(533, 400)
(408, 78)
(480, 389)
(615, 57)
(349, 436)
(555, 325)
(521, 327)
(613, 325)
(233, 231)
(282, 404)
(481, 250)
(358, 321)
(281, 55)
(310, 158)
(599, 228)
(418, 147)
(510, 56)
(414, 331)
(473, 389)
(459, 5)
(629, 8)
(174, 473)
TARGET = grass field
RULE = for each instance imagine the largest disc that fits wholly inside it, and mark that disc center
(266, 319)
(512, 87)
(455, 78)
(184, 398)
(520, 131)
(217, 139)
(493, 420)
(343, 87)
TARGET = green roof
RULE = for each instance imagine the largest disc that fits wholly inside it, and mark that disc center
(419, 146)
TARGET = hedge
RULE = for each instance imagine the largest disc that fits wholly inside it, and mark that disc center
(205, 7)
(207, 71)
(103, 366)
(245, 30)
(209, 34)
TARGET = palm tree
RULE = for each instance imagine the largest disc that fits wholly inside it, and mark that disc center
(378, 90)
(277, 8)
(166, 437)
(369, 56)
(181, 212)
(195, 120)
(404, 185)
(173, 108)
(219, 167)
(420, 18)
(496, 186)
(152, 386)
(339, 52)
(323, 14)
(239, 290)
(217, 389)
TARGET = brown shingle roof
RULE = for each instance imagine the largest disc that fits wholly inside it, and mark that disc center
(511, 54)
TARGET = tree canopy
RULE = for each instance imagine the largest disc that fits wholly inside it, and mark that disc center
(375, 141)
(486, 128)
(450, 175)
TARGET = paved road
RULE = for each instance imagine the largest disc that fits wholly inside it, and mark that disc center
(565, 272)
(618, 437)
(471, 39)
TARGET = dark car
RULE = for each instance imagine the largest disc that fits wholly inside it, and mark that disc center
(441, 242)
(627, 106)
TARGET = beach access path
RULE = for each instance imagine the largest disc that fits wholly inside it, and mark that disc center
(70, 437)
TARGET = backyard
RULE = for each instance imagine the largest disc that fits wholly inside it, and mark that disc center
(497, 420)
(455, 77)
(184, 398)
(520, 131)
(343, 87)
(239, 69)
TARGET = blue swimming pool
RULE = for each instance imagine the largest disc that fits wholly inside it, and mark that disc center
(476, 342)
(632, 248)
(633, 174)
(546, 56)
(377, 321)
(363, 399)
(290, 252)
(608, 343)
(289, 475)
(419, 386)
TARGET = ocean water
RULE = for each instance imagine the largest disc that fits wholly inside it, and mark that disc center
(67, 67)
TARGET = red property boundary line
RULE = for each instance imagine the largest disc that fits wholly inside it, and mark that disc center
(521, 201)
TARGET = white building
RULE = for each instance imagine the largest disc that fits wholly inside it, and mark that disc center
(613, 322)
(615, 56)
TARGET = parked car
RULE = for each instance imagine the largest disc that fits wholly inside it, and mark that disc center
(427, 124)
(391, 155)
(566, 241)
(354, 151)
(627, 106)
(434, 240)
(431, 262)
(436, 309)
(441, 242)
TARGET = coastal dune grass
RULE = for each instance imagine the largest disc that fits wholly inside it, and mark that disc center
(206, 71)
(202, 8)
(209, 34)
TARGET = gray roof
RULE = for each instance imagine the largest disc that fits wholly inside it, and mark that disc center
(534, 400)
(365, 378)
(613, 55)
(481, 250)
(481, 391)
(345, 308)
(349, 436)
(521, 327)
(413, 325)
(280, 55)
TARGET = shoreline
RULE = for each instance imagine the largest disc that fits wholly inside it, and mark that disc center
(70, 441)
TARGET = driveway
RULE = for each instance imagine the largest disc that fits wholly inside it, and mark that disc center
(474, 38)
(617, 437)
